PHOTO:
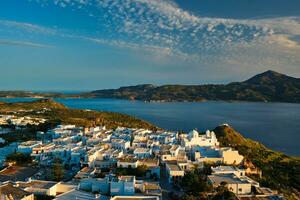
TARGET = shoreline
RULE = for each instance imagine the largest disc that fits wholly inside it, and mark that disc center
(148, 101)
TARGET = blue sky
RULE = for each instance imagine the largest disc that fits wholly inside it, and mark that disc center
(95, 44)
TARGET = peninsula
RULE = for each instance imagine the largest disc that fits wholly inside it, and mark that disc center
(269, 86)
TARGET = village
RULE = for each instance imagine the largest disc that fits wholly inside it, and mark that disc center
(123, 163)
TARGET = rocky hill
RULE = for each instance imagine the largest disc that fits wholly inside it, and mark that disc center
(280, 172)
(268, 86)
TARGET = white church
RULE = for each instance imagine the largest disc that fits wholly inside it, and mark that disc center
(209, 139)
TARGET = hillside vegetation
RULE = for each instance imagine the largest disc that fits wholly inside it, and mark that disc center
(268, 86)
(280, 172)
(57, 113)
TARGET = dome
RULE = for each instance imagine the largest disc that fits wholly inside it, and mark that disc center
(193, 134)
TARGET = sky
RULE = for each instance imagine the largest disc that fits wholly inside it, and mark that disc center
(96, 44)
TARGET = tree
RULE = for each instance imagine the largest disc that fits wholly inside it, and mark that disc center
(57, 170)
(19, 158)
(194, 182)
(140, 171)
(223, 193)
(42, 197)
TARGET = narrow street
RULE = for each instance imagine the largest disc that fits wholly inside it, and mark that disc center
(166, 187)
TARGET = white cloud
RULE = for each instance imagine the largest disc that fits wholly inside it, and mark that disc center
(24, 43)
(162, 27)
(27, 27)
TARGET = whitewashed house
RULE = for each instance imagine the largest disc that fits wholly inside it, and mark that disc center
(26, 147)
(142, 153)
(122, 185)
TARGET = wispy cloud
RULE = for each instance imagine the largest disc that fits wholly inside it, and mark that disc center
(24, 44)
(161, 27)
(27, 27)
(162, 22)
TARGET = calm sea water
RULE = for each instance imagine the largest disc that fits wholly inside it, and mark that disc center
(277, 125)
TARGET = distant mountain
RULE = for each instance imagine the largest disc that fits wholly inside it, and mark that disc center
(15, 94)
(267, 86)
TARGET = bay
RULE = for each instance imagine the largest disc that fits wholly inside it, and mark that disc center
(276, 125)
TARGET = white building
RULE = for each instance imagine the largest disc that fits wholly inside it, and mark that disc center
(26, 147)
(8, 191)
(228, 170)
(170, 152)
(120, 144)
(2, 141)
(206, 154)
(233, 183)
(77, 194)
(122, 185)
(128, 162)
(174, 172)
(194, 138)
(100, 185)
(39, 187)
(142, 153)
(225, 155)
(235, 179)
(135, 198)
(231, 156)
(102, 158)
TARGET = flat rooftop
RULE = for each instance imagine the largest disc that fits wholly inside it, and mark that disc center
(76, 194)
(173, 166)
(228, 178)
(225, 169)
(128, 158)
(37, 184)
(207, 152)
(30, 143)
(126, 178)
(16, 193)
(141, 150)
(135, 198)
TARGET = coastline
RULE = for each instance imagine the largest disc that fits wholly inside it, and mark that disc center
(141, 100)
(257, 120)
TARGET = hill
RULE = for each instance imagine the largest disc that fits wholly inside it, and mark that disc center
(57, 113)
(280, 172)
(268, 86)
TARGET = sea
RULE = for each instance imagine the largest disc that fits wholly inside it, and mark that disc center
(276, 125)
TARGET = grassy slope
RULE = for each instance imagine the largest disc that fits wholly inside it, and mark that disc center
(59, 114)
(280, 172)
